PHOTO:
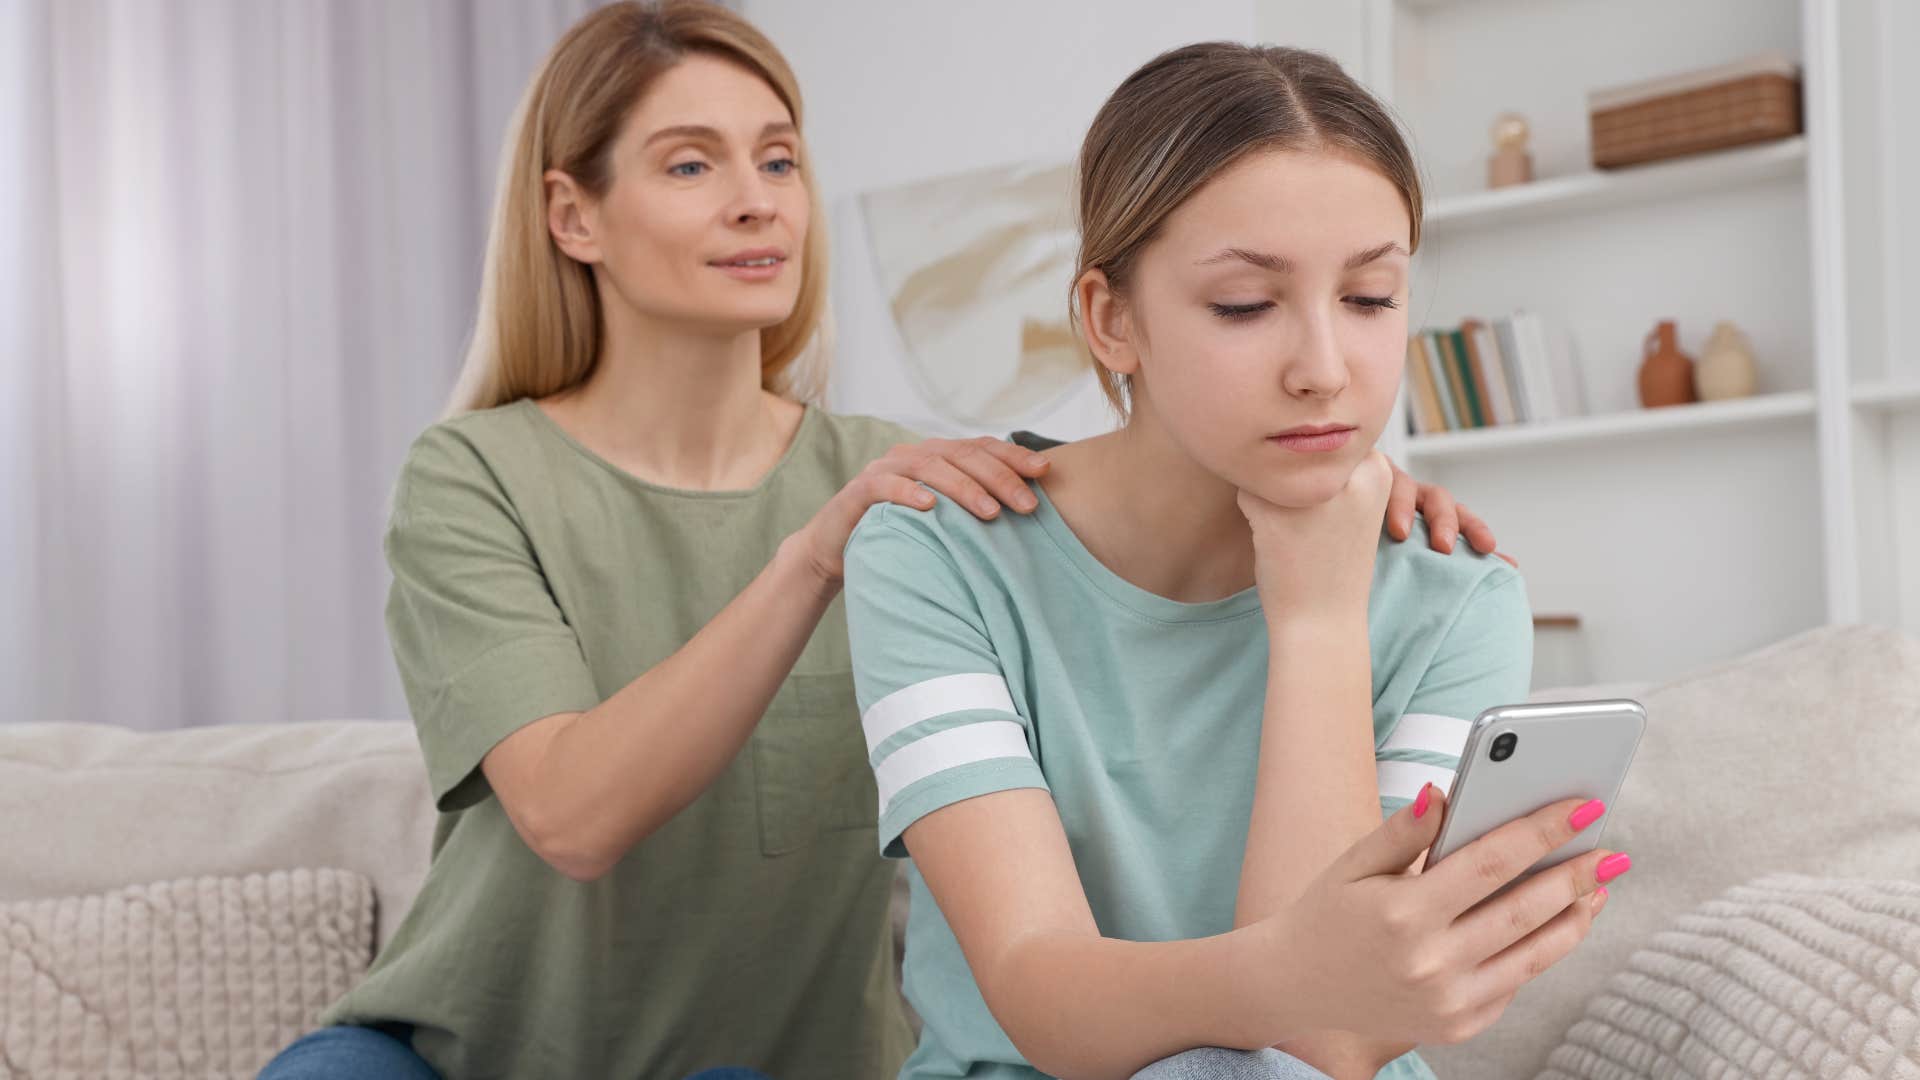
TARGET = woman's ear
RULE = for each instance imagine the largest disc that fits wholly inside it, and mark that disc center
(570, 218)
(1106, 323)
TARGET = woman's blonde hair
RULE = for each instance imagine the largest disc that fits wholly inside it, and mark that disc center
(1187, 115)
(539, 327)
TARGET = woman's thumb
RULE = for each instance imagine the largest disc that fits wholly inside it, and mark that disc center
(1402, 837)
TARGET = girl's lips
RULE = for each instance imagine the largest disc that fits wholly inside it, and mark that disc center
(1324, 442)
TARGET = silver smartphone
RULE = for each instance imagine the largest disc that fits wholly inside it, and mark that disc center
(1519, 758)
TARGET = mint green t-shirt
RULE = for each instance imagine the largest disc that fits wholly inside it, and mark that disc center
(997, 655)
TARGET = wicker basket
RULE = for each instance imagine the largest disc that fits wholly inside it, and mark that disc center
(1750, 101)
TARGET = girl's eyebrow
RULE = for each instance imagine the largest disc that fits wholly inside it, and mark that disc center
(1281, 265)
(702, 131)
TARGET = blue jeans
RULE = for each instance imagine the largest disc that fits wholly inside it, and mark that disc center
(1212, 1063)
(349, 1053)
(354, 1053)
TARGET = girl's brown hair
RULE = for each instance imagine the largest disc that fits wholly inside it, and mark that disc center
(1189, 114)
(539, 327)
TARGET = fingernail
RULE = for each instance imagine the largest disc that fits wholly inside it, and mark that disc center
(987, 506)
(1026, 503)
(1599, 899)
(1036, 461)
(1420, 803)
(1612, 867)
(1587, 814)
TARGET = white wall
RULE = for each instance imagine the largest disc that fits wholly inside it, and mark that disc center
(902, 91)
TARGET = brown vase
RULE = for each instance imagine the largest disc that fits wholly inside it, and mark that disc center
(1666, 375)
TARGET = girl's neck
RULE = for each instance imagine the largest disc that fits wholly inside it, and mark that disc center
(677, 405)
(1151, 514)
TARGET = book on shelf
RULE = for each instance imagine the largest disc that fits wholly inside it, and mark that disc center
(1491, 372)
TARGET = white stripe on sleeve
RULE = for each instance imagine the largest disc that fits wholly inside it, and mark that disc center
(1402, 779)
(904, 708)
(945, 750)
(1431, 732)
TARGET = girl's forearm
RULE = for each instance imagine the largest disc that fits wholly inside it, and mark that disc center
(1087, 1006)
(1315, 791)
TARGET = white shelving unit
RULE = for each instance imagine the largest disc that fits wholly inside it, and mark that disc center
(1683, 535)
(1767, 409)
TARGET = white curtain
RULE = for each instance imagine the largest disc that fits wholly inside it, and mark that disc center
(240, 243)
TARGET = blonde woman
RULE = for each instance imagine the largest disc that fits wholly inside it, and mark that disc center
(1139, 743)
(614, 606)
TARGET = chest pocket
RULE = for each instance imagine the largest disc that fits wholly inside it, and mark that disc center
(810, 764)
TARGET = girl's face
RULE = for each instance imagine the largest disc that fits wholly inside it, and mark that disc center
(1274, 300)
(706, 218)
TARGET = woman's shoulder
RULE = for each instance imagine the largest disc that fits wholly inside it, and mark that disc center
(863, 436)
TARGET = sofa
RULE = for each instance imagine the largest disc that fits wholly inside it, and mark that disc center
(180, 904)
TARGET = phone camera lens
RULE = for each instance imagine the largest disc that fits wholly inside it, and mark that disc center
(1503, 746)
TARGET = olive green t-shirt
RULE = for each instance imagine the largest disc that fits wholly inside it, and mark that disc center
(532, 577)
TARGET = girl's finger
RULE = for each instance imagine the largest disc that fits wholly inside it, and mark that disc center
(992, 472)
(1443, 522)
(944, 477)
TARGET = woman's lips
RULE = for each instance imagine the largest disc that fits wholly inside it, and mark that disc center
(1315, 442)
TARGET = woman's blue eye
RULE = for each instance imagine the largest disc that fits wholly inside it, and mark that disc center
(1240, 311)
(782, 166)
(696, 166)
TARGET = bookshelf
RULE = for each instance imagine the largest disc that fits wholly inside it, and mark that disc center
(1684, 535)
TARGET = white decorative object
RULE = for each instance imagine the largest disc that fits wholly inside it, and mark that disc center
(1726, 367)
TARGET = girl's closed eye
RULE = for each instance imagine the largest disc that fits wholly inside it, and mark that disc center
(1370, 305)
(1240, 311)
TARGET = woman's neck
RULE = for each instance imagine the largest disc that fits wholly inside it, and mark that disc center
(1151, 514)
(677, 405)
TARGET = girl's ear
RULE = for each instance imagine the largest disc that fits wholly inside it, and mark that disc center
(1106, 323)
(570, 218)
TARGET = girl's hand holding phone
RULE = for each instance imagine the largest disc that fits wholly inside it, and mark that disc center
(1419, 957)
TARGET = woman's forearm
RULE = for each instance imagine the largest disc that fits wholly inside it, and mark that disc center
(1315, 791)
(620, 770)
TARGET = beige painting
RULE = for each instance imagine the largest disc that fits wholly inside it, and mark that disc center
(976, 269)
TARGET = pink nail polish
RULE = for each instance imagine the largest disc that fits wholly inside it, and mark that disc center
(1586, 814)
(1420, 804)
(1612, 867)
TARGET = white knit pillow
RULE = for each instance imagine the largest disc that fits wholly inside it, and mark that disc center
(204, 977)
(1787, 976)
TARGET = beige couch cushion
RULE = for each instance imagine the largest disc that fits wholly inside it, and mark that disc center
(91, 807)
(1798, 758)
(1787, 977)
(201, 978)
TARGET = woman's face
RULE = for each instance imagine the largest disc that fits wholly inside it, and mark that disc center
(706, 218)
(1274, 300)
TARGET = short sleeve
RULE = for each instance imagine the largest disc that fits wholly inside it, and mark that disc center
(939, 719)
(481, 645)
(1485, 659)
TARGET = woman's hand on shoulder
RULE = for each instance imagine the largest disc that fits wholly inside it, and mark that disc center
(1447, 519)
(982, 474)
